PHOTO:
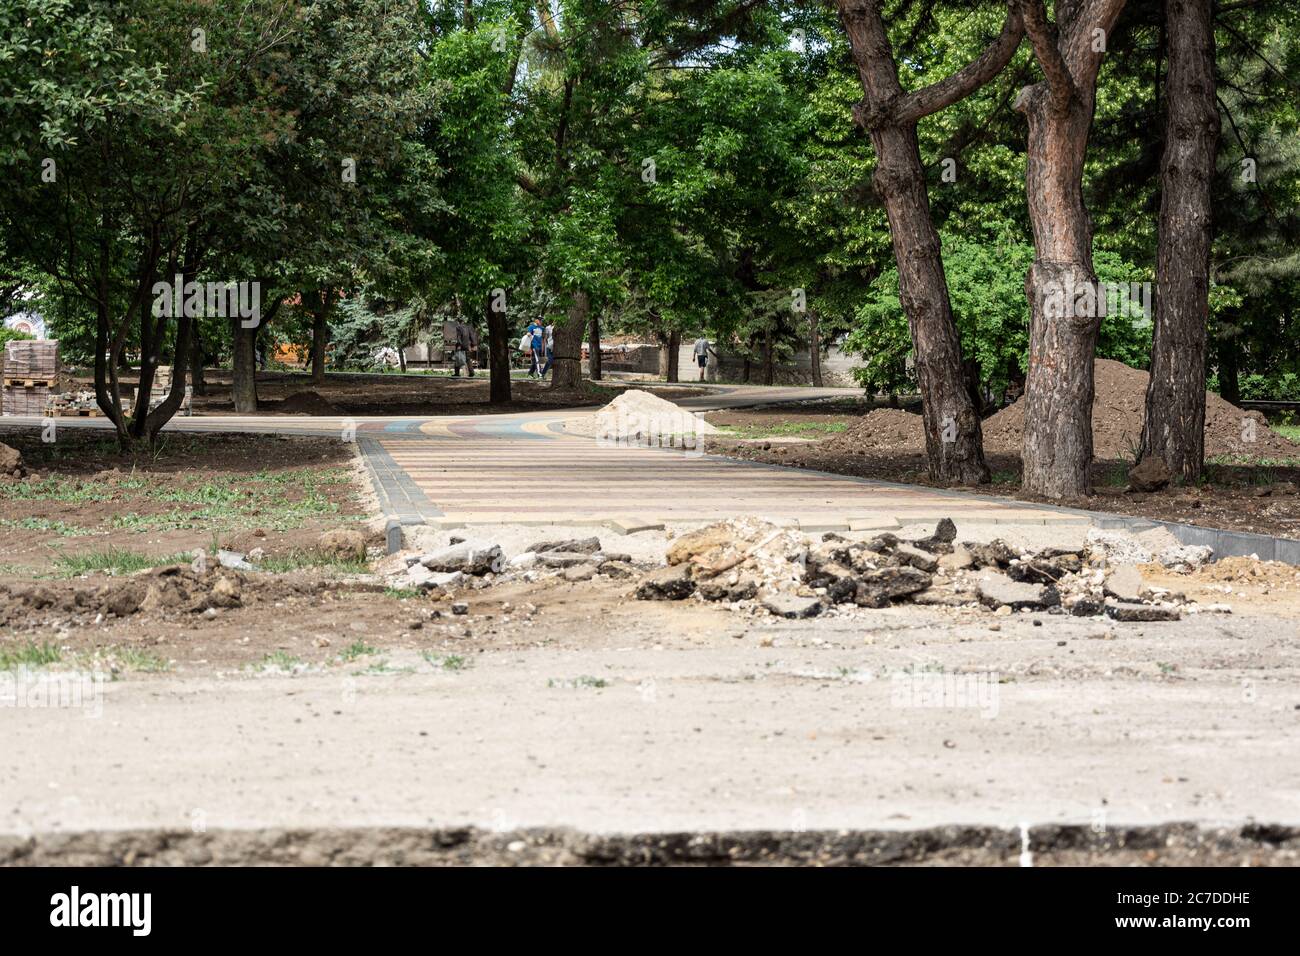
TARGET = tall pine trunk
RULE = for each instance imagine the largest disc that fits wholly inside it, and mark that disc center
(1064, 314)
(1065, 307)
(1174, 428)
(953, 438)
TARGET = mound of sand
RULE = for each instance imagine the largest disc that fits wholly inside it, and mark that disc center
(1118, 410)
(636, 412)
(307, 403)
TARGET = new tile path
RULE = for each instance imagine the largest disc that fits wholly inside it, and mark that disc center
(524, 468)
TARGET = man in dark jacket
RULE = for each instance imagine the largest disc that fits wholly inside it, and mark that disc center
(466, 343)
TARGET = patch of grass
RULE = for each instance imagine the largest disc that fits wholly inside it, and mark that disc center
(1005, 477)
(29, 655)
(61, 528)
(297, 560)
(55, 489)
(1116, 476)
(355, 650)
(382, 667)
(114, 561)
(401, 594)
(143, 661)
(448, 662)
(790, 429)
(1251, 460)
(281, 661)
(1288, 431)
(583, 680)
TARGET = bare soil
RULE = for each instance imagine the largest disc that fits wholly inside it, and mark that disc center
(83, 495)
(1168, 845)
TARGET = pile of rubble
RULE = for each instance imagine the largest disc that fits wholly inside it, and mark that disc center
(464, 564)
(753, 564)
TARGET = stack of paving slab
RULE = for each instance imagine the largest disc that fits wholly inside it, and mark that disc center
(30, 372)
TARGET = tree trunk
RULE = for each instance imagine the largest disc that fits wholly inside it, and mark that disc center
(567, 370)
(243, 387)
(593, 350)
(498, 355)
(768, 367)
(319, 304)
(953, 437)
(196, 363)
(1174, 428)
(674, 356)
(815, 348)
(1064, 318)
(1065, 307)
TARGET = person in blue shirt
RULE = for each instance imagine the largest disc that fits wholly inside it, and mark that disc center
(538, 332)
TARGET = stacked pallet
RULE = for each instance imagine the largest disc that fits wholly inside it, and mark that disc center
(30, 372)
(25, 399)
(81, 404)
(26, 359)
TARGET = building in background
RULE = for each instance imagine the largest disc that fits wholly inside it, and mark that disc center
(30, 322)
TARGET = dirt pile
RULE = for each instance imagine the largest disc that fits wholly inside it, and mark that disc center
(1119, 408)
(884, 429)
(306, 403)
(11, 462)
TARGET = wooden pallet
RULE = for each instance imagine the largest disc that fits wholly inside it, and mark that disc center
(74, 413)
(29, 382)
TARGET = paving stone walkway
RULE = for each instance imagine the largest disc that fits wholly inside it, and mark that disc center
(524, 468)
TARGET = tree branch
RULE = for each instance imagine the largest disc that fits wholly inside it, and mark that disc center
(1045, 39)
(940, 95)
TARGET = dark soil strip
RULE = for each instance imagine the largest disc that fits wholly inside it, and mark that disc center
(1172, 844)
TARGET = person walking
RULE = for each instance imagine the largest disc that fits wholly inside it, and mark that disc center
(472, 350)
(702, 350)
(548, 345)
(461, 348)
(537, 336)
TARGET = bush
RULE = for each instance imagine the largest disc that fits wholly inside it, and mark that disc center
(11, 335)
